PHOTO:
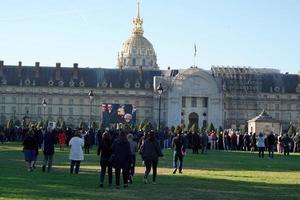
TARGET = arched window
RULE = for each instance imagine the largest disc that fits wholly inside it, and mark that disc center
(151, 62)
(144, 62)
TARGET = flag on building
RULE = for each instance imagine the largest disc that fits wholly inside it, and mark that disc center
(195, 50)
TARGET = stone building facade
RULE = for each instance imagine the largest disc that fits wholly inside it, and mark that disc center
(224, 96)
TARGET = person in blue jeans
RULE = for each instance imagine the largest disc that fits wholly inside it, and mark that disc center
(179, 151)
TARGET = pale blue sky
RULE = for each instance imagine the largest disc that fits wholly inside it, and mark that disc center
(257, 33)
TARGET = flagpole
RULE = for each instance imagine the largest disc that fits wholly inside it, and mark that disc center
(195, 54)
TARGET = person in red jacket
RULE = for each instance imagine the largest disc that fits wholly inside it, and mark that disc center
(62, 139)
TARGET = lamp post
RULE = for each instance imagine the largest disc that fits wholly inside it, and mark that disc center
(44, 103)
(160, 91)
(91, 96)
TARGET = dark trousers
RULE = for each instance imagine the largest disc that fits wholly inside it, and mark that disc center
(286, 150)
(105, 164)
(87, 149)
(177, 157)
(132, 167)
(261, 151)
(47, 162)
(271, 151)
(195, 149)
(75, 163)
(118, 174)
(151, 163)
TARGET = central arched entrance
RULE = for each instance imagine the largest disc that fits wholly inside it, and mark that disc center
(193, 118)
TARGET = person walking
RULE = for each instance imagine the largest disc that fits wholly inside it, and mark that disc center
(121, 155)
(105, 147)
(76, 153)
(179, 152)
(260, 143)
(29, 146)
(133, 149)
(49, 141)
(150, 152)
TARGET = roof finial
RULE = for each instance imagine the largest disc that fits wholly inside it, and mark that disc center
(138, 22)
(138, 8)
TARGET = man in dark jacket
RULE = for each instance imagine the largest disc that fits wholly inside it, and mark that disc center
(121, 155)
(286, 140)
(151, 151)
(179, 152)
(271, 140)
(49, 141)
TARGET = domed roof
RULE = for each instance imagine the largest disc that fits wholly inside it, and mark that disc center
(137, 51)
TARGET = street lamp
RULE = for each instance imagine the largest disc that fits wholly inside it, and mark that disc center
(160, 91)
(91, 96)
(44, 103)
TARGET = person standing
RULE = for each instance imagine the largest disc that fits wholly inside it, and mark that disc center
(260, 143)
(133, 149)
(76, 153)
(62, 139)
(204, 142)
(151, 151)
(105, 147)
(29, 146)
(178, 153)
(121, 158)
(286, 141)
(49, 141)
(271, 140)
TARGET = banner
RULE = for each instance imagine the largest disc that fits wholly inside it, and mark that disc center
(118, 113)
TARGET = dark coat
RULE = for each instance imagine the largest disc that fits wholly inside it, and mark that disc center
(271, 139)
(151, 150)
(29, 142)
(121, 153)
(49, 142)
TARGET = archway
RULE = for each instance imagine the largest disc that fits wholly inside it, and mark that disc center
(193, 118)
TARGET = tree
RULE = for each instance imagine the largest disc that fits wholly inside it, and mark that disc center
(211, 127)
(220, 129)
(10, 124)
(40, 125)
(292, 130)
(83, 125)
(178, 130)
(194, 128)
(102, 126)
(245, 129)
(94, 125)
(58, 124)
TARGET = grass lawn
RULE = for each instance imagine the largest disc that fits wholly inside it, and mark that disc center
(218, 175)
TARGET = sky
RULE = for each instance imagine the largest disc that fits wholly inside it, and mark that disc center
(251, 33)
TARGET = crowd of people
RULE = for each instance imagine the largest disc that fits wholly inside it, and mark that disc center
(118, 148)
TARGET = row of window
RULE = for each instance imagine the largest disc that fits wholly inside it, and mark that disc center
(61, 101)
(194, 103)
(48, 111)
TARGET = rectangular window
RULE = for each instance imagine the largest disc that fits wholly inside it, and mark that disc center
(27, 100)
(39, 111)
(3, 109)
(71, 101)
(60, 111)
(71, 111)
(60, 100)
(288, 106)
(205, 102)
(277, 107)
(26, 110)
(3, 99)
(183, 102)
(50, 101)
(277, 116)
(14, 100)
(49, 110)
(81, 101)
(194, 102)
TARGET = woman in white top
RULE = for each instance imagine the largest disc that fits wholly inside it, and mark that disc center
(76, 153)
(260, 143)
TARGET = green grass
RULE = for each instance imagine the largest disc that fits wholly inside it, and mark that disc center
(218, 175)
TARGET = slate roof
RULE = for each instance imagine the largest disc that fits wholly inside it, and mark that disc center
(263, 117)
(87, 77)
(280, 82)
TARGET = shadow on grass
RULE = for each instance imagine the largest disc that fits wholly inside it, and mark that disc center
(60, 185)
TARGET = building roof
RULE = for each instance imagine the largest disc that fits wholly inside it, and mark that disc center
(77, 77)
(280, 83)
(263, 117)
